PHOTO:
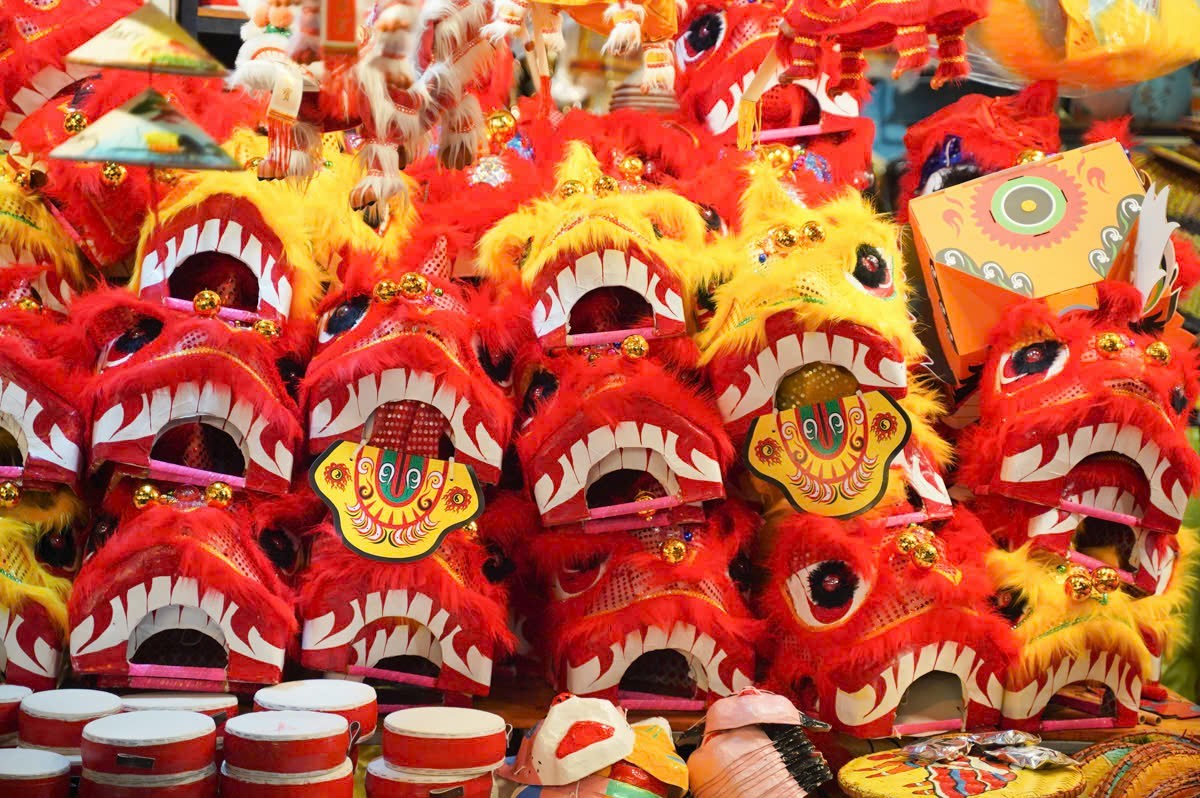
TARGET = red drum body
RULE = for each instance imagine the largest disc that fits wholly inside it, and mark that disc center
(11, 696)
(53, 720)
(337, 782)
(34, 774)
(286, 742)
(354, 701)
(438, 740)
(150, 743)
(385, 781)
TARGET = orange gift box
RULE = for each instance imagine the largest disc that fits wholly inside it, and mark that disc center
(1049, 229)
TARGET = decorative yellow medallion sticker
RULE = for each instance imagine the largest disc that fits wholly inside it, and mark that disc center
(392, 506)
(830, 458)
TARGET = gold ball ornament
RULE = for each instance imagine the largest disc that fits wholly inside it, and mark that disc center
(813, 232)
(144, 495)
(267, 328)
(1110, 343)
(501, 125)
(1106, 580)
(1159, 351)
(924, 555)
(1030, 156)
(570, 188)
(413, 285)
(207, 303)
(604, 186)
(218, 494)
(907, 541)
(29, 303)
(635, 347)
(471, 531)
(386, 291)
(673, 550)
(1078, 587)
(778, 156)
(631, 167)
(785, 236)
(10, 495)
(74, 122)
(113, 173)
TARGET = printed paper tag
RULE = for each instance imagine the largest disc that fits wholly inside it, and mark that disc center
(392, 506)
(830, 458)
(287, 92)
(147, 39)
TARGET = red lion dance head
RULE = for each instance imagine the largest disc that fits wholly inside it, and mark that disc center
(195, 429)
(41, 440)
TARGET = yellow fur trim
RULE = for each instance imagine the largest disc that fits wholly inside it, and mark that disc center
(26, 225)
(1057, 626)
(660, 223)
(22, 578)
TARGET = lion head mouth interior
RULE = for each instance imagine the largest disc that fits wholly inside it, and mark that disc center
(814, 383)
(228, 276)
(660, 673)
(10, 450)
(178, 636)
(610, 309)
(200, 446)
(412, 427)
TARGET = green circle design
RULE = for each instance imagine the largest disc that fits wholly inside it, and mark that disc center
(1049, 205)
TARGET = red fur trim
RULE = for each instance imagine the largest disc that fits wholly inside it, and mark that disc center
(1188, 261)
(1105, 129)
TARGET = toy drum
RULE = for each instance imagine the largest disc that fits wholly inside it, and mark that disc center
(354, 701)
(11, 696)
(337, 782)
(34, 774)
(218, 706)
(385, 781)
(197, 784)
(438, 739)
(150, 743)
(54, 720)
(286, 742)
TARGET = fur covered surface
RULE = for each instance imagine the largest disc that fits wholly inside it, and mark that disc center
(882, 605)
(21, 529)
(31, 232)
(978, 135)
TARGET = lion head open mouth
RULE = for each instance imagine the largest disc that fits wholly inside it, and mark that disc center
(855, 587)
(221, 244)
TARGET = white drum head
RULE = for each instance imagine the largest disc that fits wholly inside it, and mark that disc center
(13, 693)
(153, 727)
(191, 702)
(28, 763)
(318, 695)
(70, 705)
(285, 726)
(443, 722)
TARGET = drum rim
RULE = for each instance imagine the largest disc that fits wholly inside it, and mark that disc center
(389, 725)
(29, 706)
(233, 727)
(314, 683)
(92, 736)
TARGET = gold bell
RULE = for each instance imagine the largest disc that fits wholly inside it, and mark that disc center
(207, 303)
(386, 291)
(413, 285)
(631, 167)
(500, 126)
(10, 494)
(812, 232)
(218, 494)
(145, 494)
(29, 303)
(635, 347)
(907, 541)
(570, 188)
(1078, 586)
(604, 186)
(778, 156)
(1030, 156)
(74, 122)
(267, 328)
(924, 555)
(1106, 580)
(785, 236)
(113, 173)
(673, 550)
(1159, 351)
(471, 531)
(1110, 343)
